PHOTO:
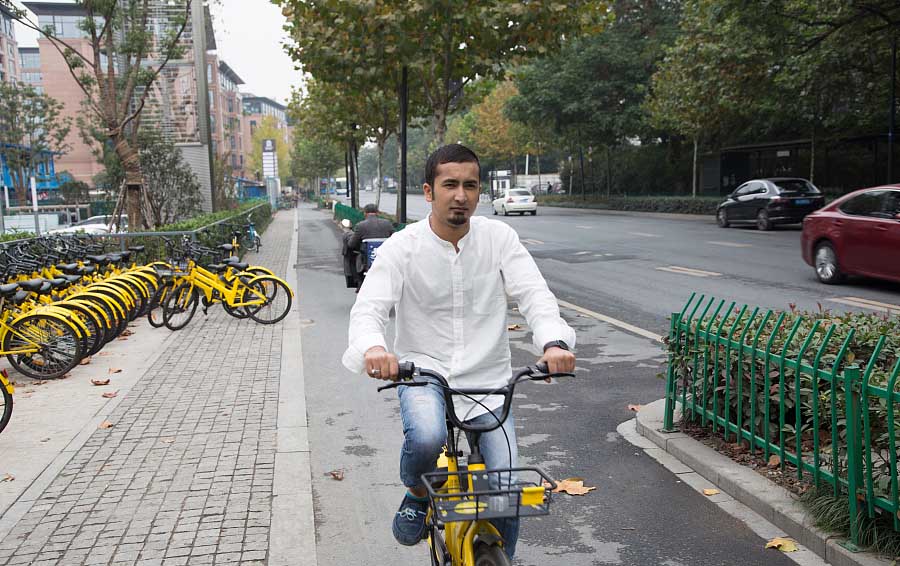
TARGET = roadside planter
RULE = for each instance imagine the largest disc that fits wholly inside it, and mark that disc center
(817, 390)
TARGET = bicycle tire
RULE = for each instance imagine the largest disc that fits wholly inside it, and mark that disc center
(6, 408)
(93, 341)
(57, 356)
(258, 241)
(183, 299)
(278, 300)
(491, 555)
(155, 312)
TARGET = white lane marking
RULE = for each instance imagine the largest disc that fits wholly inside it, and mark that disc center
(610, 320)
(581, 253)
(688, 271)
(532, 241)
(645, 234)
(731, 244)
(585, 227)
(868, 304)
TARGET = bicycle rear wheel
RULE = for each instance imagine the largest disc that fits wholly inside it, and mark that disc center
(155, 312)
(59, 348)
(180, 306)
(490, 556)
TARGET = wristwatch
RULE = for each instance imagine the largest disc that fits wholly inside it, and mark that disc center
(556, 344)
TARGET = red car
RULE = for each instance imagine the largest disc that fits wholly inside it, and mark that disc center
(858, 234)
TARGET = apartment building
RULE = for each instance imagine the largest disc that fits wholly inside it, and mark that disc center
(256, 108)
(9, 55)
(30, 68)
(225, 111)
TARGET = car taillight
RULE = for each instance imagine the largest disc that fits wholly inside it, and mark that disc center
(777, 200)
(509, 199)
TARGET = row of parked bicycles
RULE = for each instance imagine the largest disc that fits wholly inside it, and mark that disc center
(65, 297)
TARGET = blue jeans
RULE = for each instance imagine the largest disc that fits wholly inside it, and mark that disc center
(425, 433)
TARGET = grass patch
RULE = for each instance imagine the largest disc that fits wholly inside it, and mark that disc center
(832, 514)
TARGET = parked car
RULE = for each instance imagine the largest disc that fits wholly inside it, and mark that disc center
(858, 234)
(92, 225)
(515, 200)
(767, 202)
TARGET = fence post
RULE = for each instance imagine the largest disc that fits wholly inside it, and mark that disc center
(671, 386)
(852, 379)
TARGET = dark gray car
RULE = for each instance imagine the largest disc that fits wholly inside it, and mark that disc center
(767, 202)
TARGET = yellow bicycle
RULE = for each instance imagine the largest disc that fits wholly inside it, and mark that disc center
(465, 499)
(6, 399)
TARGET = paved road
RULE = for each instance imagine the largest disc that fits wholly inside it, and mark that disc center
(641, 269)
(640, 513)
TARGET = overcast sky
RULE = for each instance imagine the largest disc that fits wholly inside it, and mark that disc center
(249, 36)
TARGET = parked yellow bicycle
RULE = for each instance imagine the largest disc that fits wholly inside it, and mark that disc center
(464, 500)
(6, 399)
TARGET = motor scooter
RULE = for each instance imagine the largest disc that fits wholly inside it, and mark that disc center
(357, 262)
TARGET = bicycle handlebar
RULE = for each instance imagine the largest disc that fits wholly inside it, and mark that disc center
(410, 376)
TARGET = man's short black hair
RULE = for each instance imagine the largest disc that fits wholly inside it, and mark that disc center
(370, 209)
(450, 153)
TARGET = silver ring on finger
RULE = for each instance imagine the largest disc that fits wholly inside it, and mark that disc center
(374, 372)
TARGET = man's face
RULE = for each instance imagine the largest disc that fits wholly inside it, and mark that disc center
(454, 195)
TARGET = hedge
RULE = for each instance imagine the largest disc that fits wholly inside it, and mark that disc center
(678, 205)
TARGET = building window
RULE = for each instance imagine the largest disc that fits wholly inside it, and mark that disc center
(209, 73)
(30, 60)
(212, 100)
(230, 106)
(32, 78)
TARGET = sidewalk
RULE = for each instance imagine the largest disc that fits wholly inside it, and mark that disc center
(204, 463)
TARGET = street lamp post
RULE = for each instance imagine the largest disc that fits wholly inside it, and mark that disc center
(404, 102)
(893, 108)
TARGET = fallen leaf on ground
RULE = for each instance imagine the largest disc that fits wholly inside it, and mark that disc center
(100, 381)
(122, 338)
(774, 461)
(336, 474)
(110, 394)
(127, 333)
(115, 370)
(783, 544)
(572, 486)
(106, 424)
(85, 361)
(104, 354)
(168, 440)
(711, 492)
(45, 439)
(513, 327)
(634, 408)
(7, 477)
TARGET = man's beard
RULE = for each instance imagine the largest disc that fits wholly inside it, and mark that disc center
(457, 218)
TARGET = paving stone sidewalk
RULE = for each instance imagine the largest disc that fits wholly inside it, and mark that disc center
(185, 475)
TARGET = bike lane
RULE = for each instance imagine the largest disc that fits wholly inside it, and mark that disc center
(640, 513)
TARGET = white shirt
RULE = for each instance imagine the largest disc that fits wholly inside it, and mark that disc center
(451, 307)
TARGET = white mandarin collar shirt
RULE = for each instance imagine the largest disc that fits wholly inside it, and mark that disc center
(451, 306)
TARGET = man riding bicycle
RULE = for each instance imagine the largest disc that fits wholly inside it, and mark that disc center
(447, 278)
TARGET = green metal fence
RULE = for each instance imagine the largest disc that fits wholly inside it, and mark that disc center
(818, 390)
(342, 212)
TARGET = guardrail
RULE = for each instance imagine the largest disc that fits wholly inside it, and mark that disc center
(810, 389)
(210, 235)
(354, 215)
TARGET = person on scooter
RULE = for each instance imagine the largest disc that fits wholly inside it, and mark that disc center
(373, 226)
(447, 277)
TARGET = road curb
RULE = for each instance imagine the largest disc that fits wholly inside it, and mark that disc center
(670, 215)
(771, 501)
(292, 539)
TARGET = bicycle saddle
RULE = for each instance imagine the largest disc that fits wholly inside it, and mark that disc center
(58, 282)
(137, 249)
(9, 289)
(239, 265)
(124, 255)
(72, 278)
(32, 285)
(67, 267)
(96, 258)
(226, 247)
(19, 297)
(87, 270)
(217, 267)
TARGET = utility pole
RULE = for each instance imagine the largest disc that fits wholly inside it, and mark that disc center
(893, 108)
(404, 102)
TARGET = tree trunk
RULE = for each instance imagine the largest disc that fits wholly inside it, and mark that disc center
(694, 177)
(540, 184)
(379, 168)
(608, 173)
(812, 156)
(440, 127)
(134, 182)
(356, 172)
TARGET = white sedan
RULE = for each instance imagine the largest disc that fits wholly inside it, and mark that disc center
(515, 200)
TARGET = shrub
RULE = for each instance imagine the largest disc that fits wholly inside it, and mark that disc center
(678, 205)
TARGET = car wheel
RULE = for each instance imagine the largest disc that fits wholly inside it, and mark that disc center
(505, 212)
(534, 212)
(722, 218)
(763, 222)
(826, 262)
(494, 208)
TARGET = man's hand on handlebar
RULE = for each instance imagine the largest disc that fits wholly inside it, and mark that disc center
(381, 364)
(558, 360)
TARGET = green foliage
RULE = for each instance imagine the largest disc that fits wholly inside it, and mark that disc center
(269, 129)
(261, 217)
(678, 205)
(75, 191)
(16, 236)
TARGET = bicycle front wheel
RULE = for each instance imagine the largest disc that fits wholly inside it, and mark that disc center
(6, 406)
(155, 312)
(491, 556)
(57, 343)
(180, 306)
(278, 300)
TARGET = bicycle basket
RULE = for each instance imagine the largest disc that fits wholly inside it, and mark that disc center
(529, 496)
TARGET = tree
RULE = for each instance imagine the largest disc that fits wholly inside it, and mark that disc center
(31, 129)
(493, 134)
(268, 129)
(75, 192)
(444, 46)
(172, 188)
(137, 44)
